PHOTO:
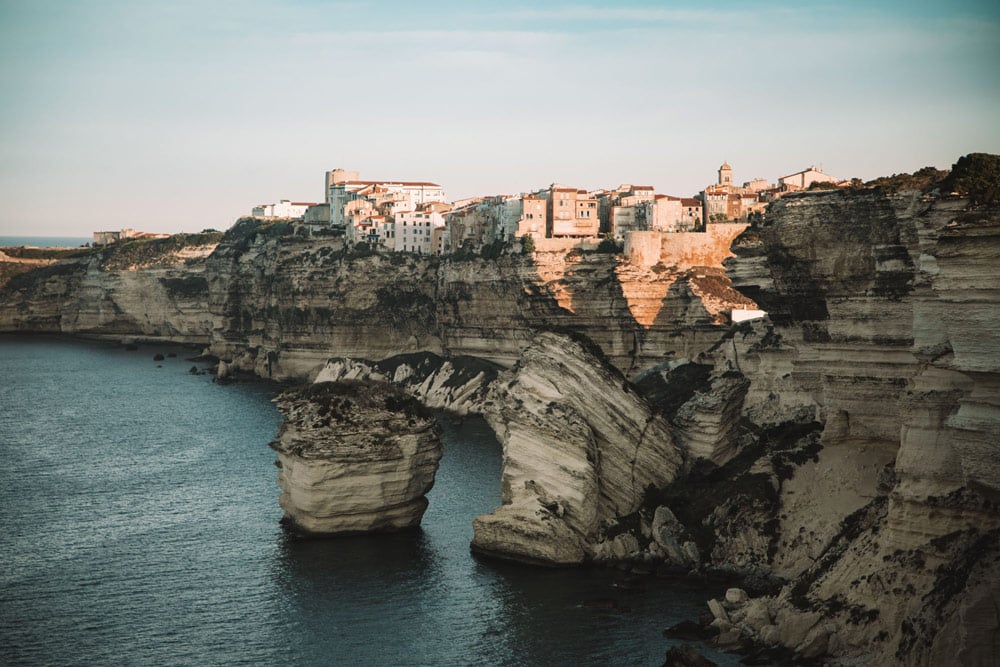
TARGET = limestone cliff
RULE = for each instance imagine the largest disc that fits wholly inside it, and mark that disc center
(580, 449)
(154, 289)
(354, 456)
(581, 446)
(882, 330)
(277, 303)
(282, 305)
(460, 384)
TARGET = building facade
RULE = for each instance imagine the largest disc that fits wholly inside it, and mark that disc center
(571, 212)
(283, 210)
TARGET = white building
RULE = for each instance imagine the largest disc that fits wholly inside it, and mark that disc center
(803, 179)
(283, 209)
(414, 232)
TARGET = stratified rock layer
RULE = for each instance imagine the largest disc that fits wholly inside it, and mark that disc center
(883, 327)
(459, 385)
(354, 457)
(155, 290)
(580, 448)
(275, 302)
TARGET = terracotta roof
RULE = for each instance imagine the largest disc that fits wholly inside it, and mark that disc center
(409, 183)
(725, 165)
(690, 201)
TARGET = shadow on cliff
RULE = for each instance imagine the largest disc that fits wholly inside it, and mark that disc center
(492, 308)
(593, 303)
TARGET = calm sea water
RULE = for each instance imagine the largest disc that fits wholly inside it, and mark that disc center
(139, 516)
(44, 241)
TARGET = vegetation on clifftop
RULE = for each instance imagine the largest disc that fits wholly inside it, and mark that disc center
(925, 179)
(143, 252)
(247, 230)
(977, 176)
(29, 260)
(341, 401)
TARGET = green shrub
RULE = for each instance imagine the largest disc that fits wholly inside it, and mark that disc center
(977, 176)
(608, 246)
(923, 179)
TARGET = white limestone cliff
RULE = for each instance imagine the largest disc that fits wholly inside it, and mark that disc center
(354, 457)
(580, 448)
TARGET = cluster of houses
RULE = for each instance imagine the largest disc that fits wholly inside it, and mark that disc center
(415, 216)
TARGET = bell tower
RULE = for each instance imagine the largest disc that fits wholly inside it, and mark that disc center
(726, 175)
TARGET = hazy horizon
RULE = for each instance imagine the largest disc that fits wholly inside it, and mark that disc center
(172, 117)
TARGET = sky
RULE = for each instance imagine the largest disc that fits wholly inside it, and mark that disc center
(181, 115)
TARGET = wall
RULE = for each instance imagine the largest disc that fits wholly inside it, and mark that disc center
(682, 249)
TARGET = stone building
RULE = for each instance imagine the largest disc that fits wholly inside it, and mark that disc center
(413, 231)
(803, 179)
(523, 215)
(571, 212)
(283, 210)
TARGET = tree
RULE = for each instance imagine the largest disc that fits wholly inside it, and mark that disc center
(976, 175)
(608, 246)
(527, 244)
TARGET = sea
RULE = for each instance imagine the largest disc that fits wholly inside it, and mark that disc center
(44, 241)
(140, 526)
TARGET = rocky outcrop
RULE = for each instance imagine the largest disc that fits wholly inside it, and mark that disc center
(149, 289)
(886, 525)
(283, 304)
(580, 448)
(459, 385)
(354, 457)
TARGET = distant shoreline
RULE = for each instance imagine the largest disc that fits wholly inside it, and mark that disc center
(44, 241)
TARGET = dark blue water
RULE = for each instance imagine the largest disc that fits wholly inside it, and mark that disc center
(45, 241)
(138, 506)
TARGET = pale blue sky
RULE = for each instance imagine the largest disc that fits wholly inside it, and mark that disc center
(177, 116)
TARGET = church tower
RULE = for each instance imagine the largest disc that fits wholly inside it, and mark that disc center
(726, 175)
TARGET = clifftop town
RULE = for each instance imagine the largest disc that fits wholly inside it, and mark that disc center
(415, 216)
(837, 453)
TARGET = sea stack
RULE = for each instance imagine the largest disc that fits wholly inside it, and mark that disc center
(354, 457)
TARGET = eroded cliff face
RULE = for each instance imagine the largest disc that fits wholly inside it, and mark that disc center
(882, 330)
(282, 305)
(161, 294)
(459, 384)
(279, 304)
(580, 449)
(354, 456)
